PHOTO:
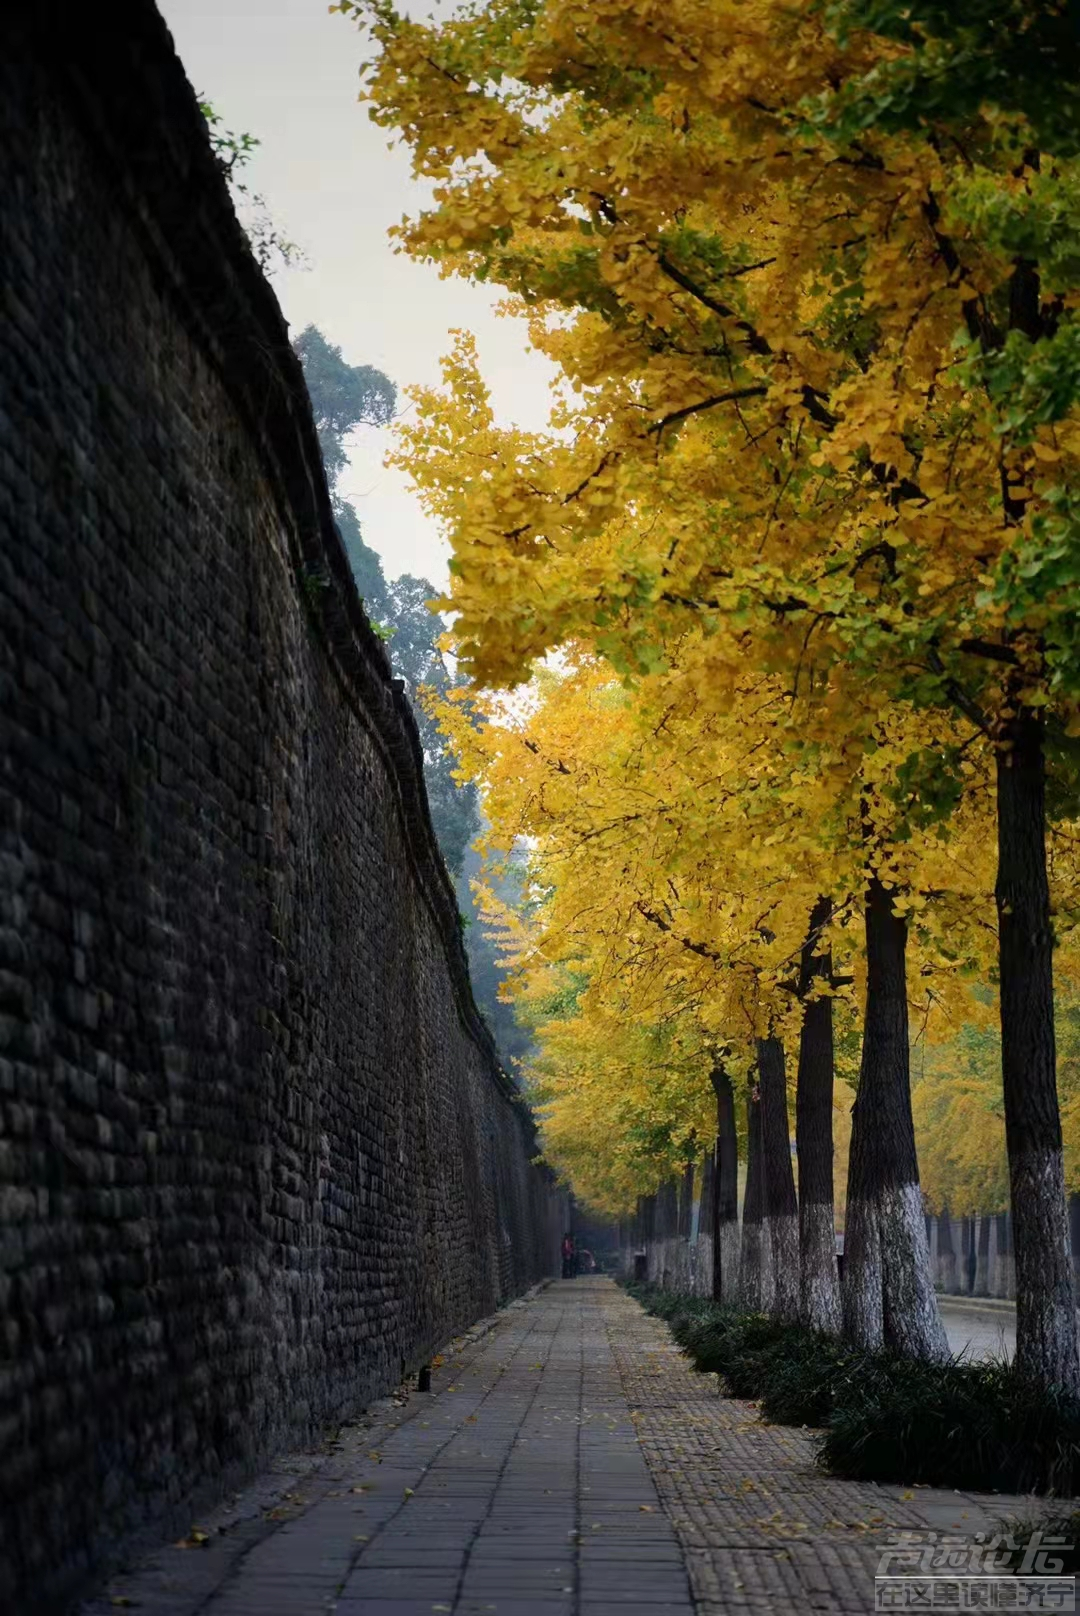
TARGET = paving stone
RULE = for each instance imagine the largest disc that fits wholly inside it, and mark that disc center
(762, 1529)
(534, 1498)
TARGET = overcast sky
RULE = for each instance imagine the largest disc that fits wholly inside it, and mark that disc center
(286, 72)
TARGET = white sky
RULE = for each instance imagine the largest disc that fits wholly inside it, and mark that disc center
(286, 72)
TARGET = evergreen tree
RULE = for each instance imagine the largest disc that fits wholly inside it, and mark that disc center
(343, 397)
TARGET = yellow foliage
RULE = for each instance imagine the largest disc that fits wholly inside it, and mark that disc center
(767, 530)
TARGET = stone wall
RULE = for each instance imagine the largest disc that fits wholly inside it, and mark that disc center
(257, 1156)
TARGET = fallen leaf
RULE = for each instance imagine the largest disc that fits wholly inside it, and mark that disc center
(196, 1539)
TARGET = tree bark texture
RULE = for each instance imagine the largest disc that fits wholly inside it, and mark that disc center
(706, 1213)
(755, 1267)
(888, 1290)
(686, 1201)
(702, 1261)
(781, 1209)
(725, 1191)
(1046, 1342)
(819, 1284)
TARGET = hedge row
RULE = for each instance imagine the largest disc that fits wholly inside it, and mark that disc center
(882, 1417)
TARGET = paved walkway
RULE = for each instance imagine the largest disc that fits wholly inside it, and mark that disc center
(762, 1528)
(569, 1463)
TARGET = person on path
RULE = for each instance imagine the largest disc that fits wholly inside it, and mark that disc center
(568, 1256)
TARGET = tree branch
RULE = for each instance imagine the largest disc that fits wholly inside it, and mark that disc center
(700, 949)
(707, 404)
(990, 650)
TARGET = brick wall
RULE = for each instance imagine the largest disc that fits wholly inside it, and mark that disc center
(256, 1153)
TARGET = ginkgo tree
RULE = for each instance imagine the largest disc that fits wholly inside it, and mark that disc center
(684, 853)
(754, 293)
(625, 803)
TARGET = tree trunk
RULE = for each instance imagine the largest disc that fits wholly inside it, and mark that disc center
(686, 1201)
(1046, 1345)
(703, 1258)
(819, 1285)
(982, 1257)
(669, 1230)
(708, 1193)
(781, 1210)
(651, 1243)
(669, 1201)
(755, 1268)
(946, 1254)
(1074, 1235)
(888, 1291)
(725, 1225)
(682, 1263)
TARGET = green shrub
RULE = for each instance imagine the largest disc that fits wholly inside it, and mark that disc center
(884, 1417)
(1065, 1527)
(807, 1377)
(954, 1425)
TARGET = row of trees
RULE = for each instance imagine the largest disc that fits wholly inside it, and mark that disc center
(805, 531)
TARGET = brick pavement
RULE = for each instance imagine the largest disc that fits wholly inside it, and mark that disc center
(762, 1528)
(569, 1463)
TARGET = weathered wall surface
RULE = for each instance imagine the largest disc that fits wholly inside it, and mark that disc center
(255, 1151)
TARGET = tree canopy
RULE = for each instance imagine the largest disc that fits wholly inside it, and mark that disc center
(343, 396)
(803, 531)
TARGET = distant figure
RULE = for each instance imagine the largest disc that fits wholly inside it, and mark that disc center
(568, 1256)
(586, 1262)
